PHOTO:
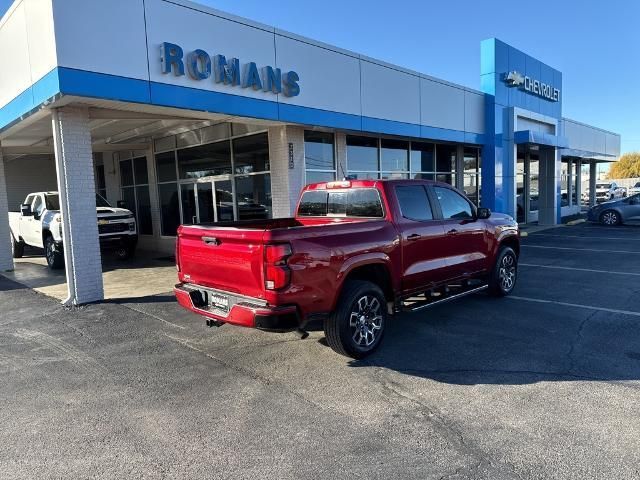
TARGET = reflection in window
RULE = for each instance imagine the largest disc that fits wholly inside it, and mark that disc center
(394, 156)
(253, 194)
(362, 155)
(251, 154)
(422, 158)
(414, 202)
(205, 161)
(319, 157)
(134, 183)
(169, 208)
(452, 204)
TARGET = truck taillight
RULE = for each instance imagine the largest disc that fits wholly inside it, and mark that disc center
(277, 274)
(178, 253)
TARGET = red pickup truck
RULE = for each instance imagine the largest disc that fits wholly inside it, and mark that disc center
(357, 252)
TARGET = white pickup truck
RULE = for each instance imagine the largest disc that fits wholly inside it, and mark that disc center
(39, 224)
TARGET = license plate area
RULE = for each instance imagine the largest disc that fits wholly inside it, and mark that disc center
(218, 303)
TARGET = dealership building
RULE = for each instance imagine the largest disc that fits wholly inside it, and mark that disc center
(185, 114)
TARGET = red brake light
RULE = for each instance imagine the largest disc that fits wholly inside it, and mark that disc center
(276, 272)
(341, 184)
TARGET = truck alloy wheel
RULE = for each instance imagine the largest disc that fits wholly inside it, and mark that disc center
(610, 218)
(505, 273)
(356, 327)
(55, 259)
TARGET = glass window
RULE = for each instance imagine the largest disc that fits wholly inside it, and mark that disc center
(253, 193)
(205, 161)
(38, 206)
(414, 202)
(313, 204)
(362, 202)
(471, 160)
(52, 202)
(422, 157)
(129, 197)
(452, 204)
(316, 177)
(364, 175)
(141, 175)
(126, 173)
(394, 156)
(471, 188)
(362, 154)
(446, 158)
(145, 225)
(318, 151)
(394, 176)
(445, 178)
(251, 154)
(169, 208)
(100, 201)
(101, 184)
(166, 167)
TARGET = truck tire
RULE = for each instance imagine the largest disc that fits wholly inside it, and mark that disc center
(125, 252)
(504, 274)
(356, 327)
(55, 258)
(17, 248)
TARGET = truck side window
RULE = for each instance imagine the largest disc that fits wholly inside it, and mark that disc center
(452, 204)
(38, 206)
(414, 202)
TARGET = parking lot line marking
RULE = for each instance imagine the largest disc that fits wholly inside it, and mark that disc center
(582, 249)
(580, 236)
(575, 305)
(579, 269)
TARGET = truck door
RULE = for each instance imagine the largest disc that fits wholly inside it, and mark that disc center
(422, 235)
(466, 236)
(31, 227)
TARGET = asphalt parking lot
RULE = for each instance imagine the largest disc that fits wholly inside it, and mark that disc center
(545, 384)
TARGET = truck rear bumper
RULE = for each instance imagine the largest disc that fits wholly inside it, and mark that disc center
(243, 313)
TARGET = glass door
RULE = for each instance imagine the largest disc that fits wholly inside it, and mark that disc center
(225, 210)
(189, 208)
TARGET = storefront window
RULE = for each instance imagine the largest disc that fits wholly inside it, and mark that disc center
(362, 156)
(319, 157)
(239, 168)
(101, 184)
(205, 161)
(251, 154)
(253, 193)
(422, 160)
(471, 182)
(394, 158)
(446, 158)
(134, 182)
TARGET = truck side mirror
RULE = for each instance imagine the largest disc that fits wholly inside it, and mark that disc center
(121, 204)
(25, 209)
(483, 213)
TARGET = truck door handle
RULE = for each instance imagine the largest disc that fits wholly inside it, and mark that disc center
(413, 236)
(453, 231)
(211, 240)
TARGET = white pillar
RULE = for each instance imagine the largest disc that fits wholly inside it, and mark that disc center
(6, 259)
(287, 174)
(593, 179)
(579, 183)
(76, 185)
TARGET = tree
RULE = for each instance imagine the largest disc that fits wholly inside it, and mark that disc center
(628, 166)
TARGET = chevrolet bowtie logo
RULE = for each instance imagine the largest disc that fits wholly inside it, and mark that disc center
(513, 79)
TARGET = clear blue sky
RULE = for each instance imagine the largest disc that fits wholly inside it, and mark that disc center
(595, 44)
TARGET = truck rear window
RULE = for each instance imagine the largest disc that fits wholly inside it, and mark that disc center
(361, 202)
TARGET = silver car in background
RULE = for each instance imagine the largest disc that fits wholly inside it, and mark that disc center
(616, 212)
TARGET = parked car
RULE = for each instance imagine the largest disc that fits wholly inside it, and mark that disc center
(616, 212)
(355, 253)
(609, 191)
(39, 224)
(633, 190)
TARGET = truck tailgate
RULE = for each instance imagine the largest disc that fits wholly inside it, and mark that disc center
(227, 259)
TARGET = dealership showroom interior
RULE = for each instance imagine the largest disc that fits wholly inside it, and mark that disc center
(190, 115)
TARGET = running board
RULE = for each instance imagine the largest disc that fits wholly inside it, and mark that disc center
(417, 306)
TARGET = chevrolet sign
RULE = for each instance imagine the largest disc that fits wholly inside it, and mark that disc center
(536, 87)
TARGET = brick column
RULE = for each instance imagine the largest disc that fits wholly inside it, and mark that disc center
(286, 182)
(6, 259)
(76, 184)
